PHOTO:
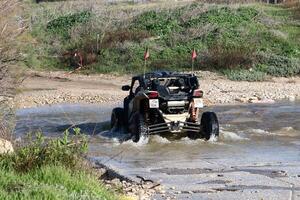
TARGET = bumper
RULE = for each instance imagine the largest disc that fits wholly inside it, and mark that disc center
(173, 127)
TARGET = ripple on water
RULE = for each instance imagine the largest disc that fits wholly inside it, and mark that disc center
(230, 136)
(258, 131)
(287, 131)
(159, 139)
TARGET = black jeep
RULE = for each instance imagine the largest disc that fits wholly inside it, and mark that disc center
(164, 102)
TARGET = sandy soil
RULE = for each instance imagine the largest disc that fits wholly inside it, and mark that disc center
(46, 88)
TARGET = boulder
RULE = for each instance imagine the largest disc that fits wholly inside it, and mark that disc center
(5, 146)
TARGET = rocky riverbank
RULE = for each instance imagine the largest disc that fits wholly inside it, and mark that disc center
(47, 88)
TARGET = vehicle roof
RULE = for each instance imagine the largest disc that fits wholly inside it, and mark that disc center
(162, 74)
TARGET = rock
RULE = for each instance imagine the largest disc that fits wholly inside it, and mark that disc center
(162, 191)
(292, 98)
(253, 99)
(242, 99)
(267, 101)
(5, 146)
(116, 182)
(279, 173)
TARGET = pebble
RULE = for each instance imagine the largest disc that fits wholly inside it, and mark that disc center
(162, 191)
(292, 98)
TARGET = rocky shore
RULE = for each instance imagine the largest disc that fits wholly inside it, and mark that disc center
(47, 88)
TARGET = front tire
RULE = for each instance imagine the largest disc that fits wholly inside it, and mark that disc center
(138, 127)
(209, 125)
(117, 118)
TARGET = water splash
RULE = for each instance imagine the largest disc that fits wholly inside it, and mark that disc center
(230, 136)
(287, 131)
(259, 131)
(159, 139)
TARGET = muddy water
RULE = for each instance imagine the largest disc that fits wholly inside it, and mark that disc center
(257, 155)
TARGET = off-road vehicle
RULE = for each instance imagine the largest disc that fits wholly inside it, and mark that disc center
(164, 102)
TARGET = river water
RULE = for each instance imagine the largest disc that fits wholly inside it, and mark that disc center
(258, 151)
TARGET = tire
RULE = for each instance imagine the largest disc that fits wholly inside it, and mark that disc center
(117, 118)
(137, 127)
(209, 125)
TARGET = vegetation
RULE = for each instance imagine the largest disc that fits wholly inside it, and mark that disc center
(50, 169)
(10, 30)
(245, 42)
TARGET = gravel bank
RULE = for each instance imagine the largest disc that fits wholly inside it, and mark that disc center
(41, 88)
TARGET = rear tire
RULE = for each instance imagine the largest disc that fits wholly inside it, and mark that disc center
(137, 127)
(117, 118)
(209, 125)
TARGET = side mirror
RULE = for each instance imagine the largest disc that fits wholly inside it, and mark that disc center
(125, 87)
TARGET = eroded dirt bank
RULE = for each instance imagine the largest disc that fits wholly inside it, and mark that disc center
(46, 88)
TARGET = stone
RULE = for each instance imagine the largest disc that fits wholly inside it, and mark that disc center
(162, 191)
(292, 98)
(116, 182)
(5, 146)
(242, 99)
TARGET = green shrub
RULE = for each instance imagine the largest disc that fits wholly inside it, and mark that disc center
(220, 56)
(50, 169)
(62, 24)
(157, 23)
(275, 65)
(51, 182)
(223, 16)
(40, 152)
(244, 75)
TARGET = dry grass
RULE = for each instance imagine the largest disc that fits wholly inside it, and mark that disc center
(11, 26)
(294, 6)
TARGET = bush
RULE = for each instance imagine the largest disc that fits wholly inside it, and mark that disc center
(51, 182)
(50, 169)
(66, 151)
(61, 25)
(245, 75)
(157, 23)
(275, 65)
(220, 56)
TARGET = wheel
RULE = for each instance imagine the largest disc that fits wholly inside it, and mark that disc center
(137, 127)
(209, 125)
(117, 118)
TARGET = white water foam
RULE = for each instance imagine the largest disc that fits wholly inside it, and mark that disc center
(259, 131)
(143, 141)
(187, 140)
(159, 139)
(213, 139)
(287, 131)
(230, 136)
(289, 128)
